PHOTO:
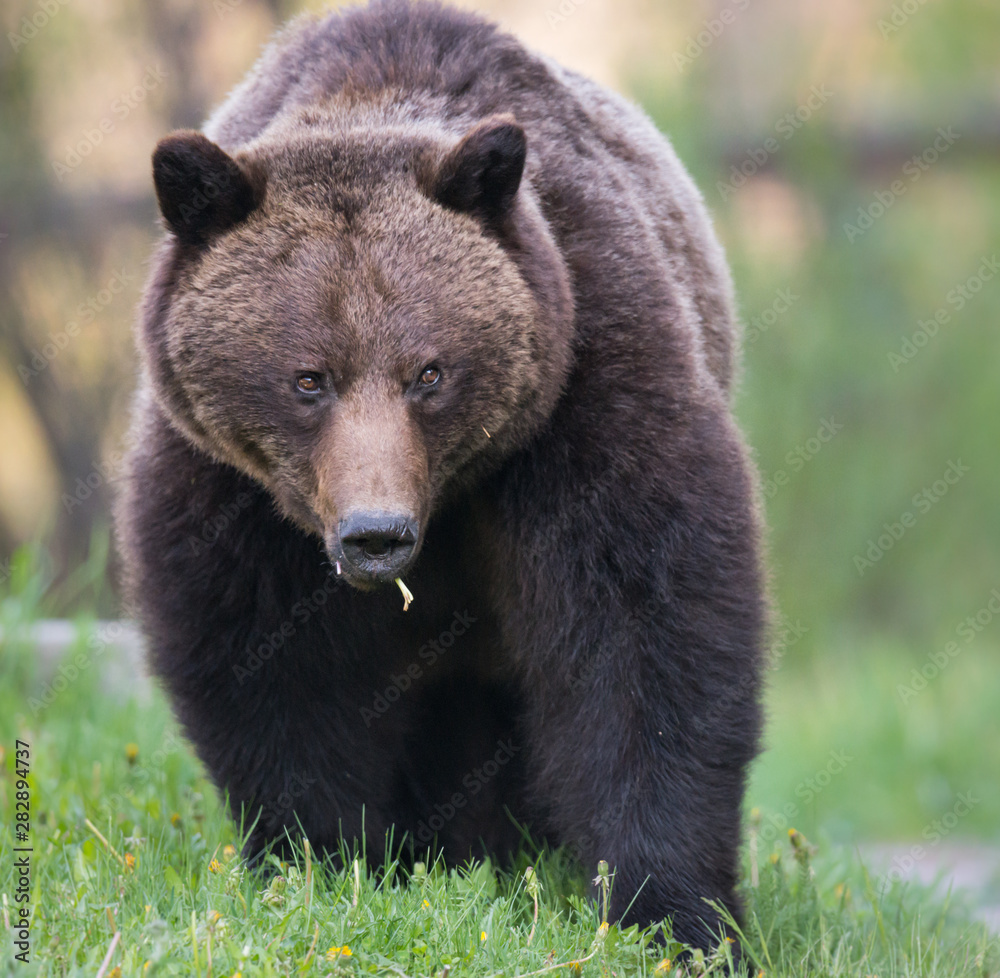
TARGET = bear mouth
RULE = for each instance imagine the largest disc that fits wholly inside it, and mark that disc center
(372, 549)
(368, 576)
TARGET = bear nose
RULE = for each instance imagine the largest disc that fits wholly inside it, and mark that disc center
(378, 544)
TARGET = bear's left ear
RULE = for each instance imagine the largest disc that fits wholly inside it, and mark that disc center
(482, 173)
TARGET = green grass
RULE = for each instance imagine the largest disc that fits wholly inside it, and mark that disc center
(121, 766)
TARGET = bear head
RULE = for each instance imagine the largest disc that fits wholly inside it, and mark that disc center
(365, 316)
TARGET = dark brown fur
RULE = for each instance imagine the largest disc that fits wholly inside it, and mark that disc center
(577, 487)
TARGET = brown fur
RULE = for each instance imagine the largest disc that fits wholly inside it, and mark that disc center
(404, 186)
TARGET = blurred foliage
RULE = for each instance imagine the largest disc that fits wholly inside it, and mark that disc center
(827, 301)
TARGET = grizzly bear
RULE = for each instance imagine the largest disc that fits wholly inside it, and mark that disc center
(437, 521)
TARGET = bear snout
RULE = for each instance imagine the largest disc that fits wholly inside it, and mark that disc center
(375, 546)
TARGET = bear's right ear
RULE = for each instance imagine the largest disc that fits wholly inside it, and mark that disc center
(482, 173)
(201, 190)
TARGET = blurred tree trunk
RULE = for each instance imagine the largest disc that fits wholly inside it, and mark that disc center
(34, 209)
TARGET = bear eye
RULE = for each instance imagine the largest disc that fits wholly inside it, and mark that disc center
(430, 376)
(309, 383)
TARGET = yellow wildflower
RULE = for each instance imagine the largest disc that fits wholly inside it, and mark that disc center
(214, 866)
(229, 852)
(338, 952)
(131, 752)
(130, 861)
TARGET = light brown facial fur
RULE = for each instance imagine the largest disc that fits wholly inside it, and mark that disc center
(369, 258)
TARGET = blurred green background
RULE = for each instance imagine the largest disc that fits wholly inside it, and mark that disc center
(850, 154)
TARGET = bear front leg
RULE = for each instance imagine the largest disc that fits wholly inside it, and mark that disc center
(252, 635)
(635, 613)
(630, 774)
